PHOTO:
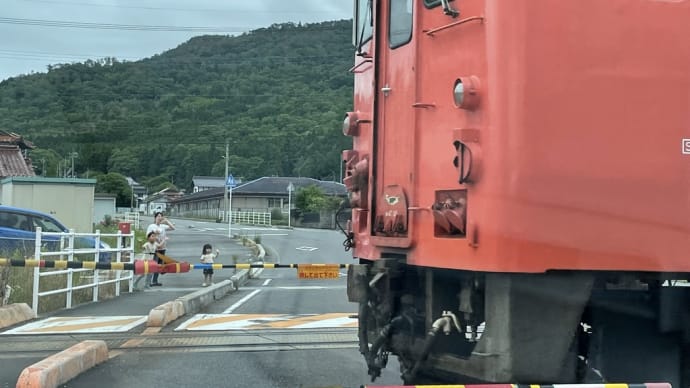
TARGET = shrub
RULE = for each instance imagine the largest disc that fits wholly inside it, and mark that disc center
(276, 214)
(108, 220)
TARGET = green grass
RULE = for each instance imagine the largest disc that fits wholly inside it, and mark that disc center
(21, 279)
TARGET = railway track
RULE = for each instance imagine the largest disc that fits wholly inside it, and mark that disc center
(226, 341)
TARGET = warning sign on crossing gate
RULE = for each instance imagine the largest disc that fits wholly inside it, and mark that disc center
(318, 271)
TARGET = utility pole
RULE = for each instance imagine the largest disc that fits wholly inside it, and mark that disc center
(225, 182)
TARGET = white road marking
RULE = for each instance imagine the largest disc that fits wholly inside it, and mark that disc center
(308, 249)
(294, 288)
(268, 321)
(62, 325)
(241, 302)
(266, 282)
(311, 288)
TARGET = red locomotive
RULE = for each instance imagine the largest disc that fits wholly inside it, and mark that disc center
(519, 184)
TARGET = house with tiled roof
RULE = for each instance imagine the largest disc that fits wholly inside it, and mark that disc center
(14, 159)
(260, 195)
(161, 200)
(203, 183)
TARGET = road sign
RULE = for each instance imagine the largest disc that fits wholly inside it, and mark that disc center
(231, 181)
(318, 271)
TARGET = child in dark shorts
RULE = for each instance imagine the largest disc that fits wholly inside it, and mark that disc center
(207, 257)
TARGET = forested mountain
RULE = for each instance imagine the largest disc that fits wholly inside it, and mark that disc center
(277, 94)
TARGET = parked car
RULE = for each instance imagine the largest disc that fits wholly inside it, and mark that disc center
(18, 232)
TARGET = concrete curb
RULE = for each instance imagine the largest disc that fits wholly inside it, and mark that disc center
(254, 273)
(239, 278)
(15, 313)
(64, 366)
(197, 300)
(162, 315)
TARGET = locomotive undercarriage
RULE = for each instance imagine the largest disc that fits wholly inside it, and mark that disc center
(558, 327)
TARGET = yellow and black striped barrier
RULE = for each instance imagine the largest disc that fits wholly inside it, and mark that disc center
(140, 267)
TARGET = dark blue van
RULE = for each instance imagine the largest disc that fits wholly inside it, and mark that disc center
(18, 232)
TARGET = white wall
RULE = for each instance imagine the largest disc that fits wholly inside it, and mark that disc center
(71, 201)
(103, 206)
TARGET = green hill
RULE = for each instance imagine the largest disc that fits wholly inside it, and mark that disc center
(277, 94)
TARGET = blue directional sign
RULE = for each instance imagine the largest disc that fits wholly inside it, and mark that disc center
(231, 181)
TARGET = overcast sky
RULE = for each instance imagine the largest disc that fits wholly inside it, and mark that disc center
(36, 33)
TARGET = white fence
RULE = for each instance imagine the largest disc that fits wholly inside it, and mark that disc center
(133, 218)
(251, 218)
(65, 242)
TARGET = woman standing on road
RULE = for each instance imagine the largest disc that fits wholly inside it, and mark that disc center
(160, 225)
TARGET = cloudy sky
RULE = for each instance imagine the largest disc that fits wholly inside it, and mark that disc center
(36, 33)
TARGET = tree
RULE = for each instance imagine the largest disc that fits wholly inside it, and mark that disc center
(277, 94)
(45, 162)
(310, 199)
(124, 160)
(114, 183)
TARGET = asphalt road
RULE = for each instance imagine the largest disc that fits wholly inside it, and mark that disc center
(274, 356)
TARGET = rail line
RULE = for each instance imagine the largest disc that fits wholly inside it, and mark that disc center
(235, 341)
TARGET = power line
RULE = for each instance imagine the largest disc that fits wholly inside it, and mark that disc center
(122, 27)
(160, 59)
(55, 55)
(233, 11)
(138, 27)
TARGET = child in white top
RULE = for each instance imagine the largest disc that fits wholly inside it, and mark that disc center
(149, 248)
(207, 257)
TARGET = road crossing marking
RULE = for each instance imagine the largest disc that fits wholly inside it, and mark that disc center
(305, 248)
(209, 322)
(62, 325)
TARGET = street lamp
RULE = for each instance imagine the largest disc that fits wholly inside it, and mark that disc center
(230, 183)
(290, 189)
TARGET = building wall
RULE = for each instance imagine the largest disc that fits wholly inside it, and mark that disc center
(70, 200)
(155, 206)
(103, 206)
(249, 203)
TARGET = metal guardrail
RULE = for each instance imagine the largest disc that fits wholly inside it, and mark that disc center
(122, 253)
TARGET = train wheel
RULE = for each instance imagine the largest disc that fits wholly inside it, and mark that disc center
(624, 348)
